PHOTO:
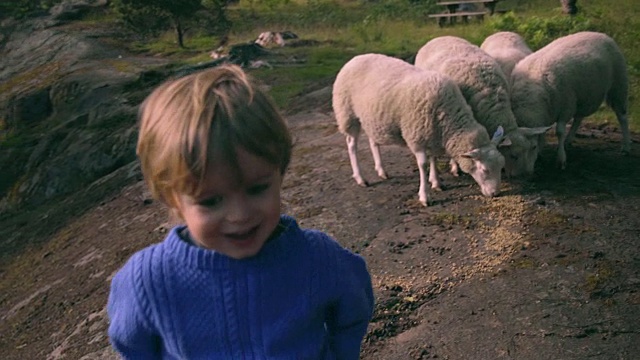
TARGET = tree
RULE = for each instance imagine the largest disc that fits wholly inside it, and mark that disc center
(151, 16)
(24, 8)
(216, 19)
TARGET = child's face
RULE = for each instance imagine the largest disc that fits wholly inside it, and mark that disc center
(235, 216)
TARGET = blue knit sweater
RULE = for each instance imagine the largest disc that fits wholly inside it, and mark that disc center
(301, 297)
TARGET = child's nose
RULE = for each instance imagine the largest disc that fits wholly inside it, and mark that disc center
(239, 210)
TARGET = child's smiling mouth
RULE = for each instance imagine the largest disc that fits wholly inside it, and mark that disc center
(243, 237)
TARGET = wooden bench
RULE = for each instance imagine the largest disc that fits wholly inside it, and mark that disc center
(452, 11)
(452, 6)
(442, 18)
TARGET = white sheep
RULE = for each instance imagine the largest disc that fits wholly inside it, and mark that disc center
(270, 37)
(397, 103)
(570, 78)
(507, 48)
(486, 90)
(217, 53)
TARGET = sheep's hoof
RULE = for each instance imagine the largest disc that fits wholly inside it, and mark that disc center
(426, 203)
(360, 181)
(436, 188)
(562, 165)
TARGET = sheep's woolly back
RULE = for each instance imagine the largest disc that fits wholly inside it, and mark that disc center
(395, 103)
(478, 75)
(507, 48)
(569, 77)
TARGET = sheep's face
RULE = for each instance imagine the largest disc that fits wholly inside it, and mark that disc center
(265, 38)
(520, 150)
(485, 166)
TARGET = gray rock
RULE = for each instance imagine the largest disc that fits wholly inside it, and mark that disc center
(74, 9)
(68, 105)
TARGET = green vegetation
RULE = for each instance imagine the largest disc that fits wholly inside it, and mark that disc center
(446, 219)
(153, 16)
(344, 28)
(23, 8)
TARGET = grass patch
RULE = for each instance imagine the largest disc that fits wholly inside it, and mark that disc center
(597, 283)
(37, 78)
(449, 219)
(548, 219)
(398, 28)
(524, 263)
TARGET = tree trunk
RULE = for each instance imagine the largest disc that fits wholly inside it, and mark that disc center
(179, 32)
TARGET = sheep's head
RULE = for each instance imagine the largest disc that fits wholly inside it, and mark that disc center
(265, 38)
(485, 165)
(520, 149)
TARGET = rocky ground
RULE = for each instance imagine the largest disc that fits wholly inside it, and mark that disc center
(548, 270)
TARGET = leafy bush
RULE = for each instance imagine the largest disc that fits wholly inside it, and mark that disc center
(539, 31)
(323, 12)
(368, 30)
(23, 8)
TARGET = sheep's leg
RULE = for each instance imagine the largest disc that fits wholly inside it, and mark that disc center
(455, 169)
(561, 132)
(626, 137)
(352, 147)
(573, 130)
(433, 174)
(421, 159)
(377, 160)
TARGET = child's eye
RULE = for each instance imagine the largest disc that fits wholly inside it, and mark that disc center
(210, 202)
(258, 189)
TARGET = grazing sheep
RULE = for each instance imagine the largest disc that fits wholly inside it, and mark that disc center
(272, 37)
(507, 48)
(268, 37)
(486, 90)
(397, 103)
(570, 78)
(217, 53)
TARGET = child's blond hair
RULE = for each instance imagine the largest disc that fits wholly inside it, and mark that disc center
(187, 124)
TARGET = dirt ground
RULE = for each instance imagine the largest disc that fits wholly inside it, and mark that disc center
(548, 270)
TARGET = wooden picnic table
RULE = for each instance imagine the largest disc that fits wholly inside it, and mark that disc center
(452, 10)
(452, 6)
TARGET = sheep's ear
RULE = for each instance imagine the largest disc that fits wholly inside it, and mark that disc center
(473, 154)
(506, 141)
(498, 135)
(535, 131)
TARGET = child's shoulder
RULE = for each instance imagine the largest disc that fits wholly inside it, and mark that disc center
(317, 242)
(151, 255)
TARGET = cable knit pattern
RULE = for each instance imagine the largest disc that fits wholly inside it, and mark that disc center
(302, 297)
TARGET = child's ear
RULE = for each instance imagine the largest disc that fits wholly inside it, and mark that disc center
(175, 217)
(174, 214)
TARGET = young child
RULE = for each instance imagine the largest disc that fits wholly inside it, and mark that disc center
(238, 280)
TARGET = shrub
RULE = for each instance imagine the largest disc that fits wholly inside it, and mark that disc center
(539, 31)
